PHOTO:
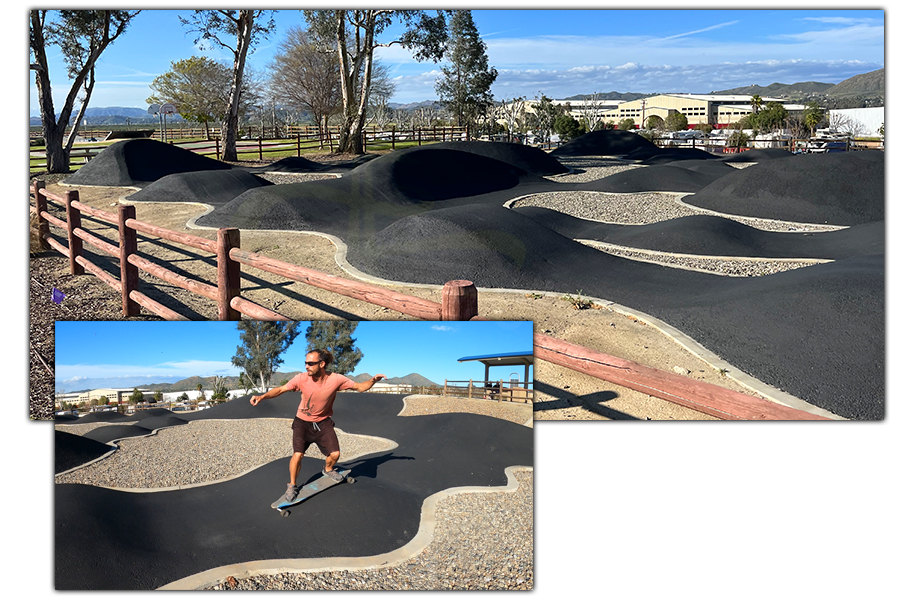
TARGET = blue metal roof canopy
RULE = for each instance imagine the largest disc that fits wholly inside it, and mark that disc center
(525, 358)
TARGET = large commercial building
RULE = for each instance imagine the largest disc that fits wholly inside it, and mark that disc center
(717, 110)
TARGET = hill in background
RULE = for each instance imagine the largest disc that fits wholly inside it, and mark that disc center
(279, 378)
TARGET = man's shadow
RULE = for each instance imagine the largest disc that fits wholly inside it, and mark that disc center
(366, 467)
(591, 402)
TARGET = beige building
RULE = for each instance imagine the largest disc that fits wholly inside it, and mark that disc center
(113, 395)
(718, 110)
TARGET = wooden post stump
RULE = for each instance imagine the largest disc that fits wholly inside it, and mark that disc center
(459, 300)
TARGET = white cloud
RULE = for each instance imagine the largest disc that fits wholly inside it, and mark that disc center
(442, 328)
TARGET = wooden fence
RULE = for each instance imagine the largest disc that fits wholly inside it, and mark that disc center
(721, 145)
(296, 141)
(459, 301)
(521, 392)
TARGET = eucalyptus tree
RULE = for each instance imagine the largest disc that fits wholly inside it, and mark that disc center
(238, 31)
(465, 88)
(82, 36)
(262, 344)
(335, 336)
(353, 35)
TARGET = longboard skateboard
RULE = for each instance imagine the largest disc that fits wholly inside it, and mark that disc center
(310, 489)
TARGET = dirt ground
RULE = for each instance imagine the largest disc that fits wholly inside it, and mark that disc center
(561, 393)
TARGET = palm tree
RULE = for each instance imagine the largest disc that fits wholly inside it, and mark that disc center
(756, 101)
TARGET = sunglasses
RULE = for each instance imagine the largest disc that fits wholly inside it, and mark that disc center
(313, 362)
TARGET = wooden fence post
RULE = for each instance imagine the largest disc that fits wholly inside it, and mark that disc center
(445, 386)
(128, 273)
(43, 225)
(393, 137)
(298, 143)
(73, 221)
(470, 388)
(218, 155)
(459, 300)
(259, 139)
(228, 273)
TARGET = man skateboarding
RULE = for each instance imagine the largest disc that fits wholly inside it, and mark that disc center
(313, 422)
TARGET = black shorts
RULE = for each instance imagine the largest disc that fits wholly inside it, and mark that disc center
(321, 433)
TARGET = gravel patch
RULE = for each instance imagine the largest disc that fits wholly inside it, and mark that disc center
(203, 451)
(643, 208)
(481, 541)
(519, 413)
(733, 267)
(590, 168)
(296, 178)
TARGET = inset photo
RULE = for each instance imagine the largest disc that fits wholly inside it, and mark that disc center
(197, 455)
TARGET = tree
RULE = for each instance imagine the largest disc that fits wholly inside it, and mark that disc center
(771, 118)
(353, 36)
(219, 389)
(591, 113)
(567, 127)
(246, 28)
(82, 36)
(465, 88)
(136, 396)
(306, 78)
(198, 88)
(545, 114)
(626, 124)
(676, 121)
(335, 337)
(812, 115)
(756, 102)
(262, 344)
(510, 111)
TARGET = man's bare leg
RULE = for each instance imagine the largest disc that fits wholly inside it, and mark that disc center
(296, 460)
(331, 460)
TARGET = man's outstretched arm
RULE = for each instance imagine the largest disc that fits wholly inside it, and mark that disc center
(368, 384)
(255, 399)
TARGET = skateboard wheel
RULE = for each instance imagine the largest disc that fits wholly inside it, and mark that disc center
(350, 479)
(285, 513)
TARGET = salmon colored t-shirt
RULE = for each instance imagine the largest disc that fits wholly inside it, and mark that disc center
(318, 397)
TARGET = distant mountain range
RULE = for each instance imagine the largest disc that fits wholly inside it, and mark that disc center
(190, 384)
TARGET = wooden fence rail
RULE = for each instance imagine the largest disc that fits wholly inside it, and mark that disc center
(459, 301)
(695, 394)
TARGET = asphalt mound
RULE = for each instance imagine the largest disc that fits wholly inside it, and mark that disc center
(140, 162)
(299, 164)
(96, 417)
(758, 154)
(843, 189)
(716, 236)
(608, 143)
(111, 433)
(529, 159)
(210, 187)
(73, 451)
(681, 176)
(372, 196)
(675, 154)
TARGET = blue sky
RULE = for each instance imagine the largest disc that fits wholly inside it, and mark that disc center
(558, 52)
(125, 354)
